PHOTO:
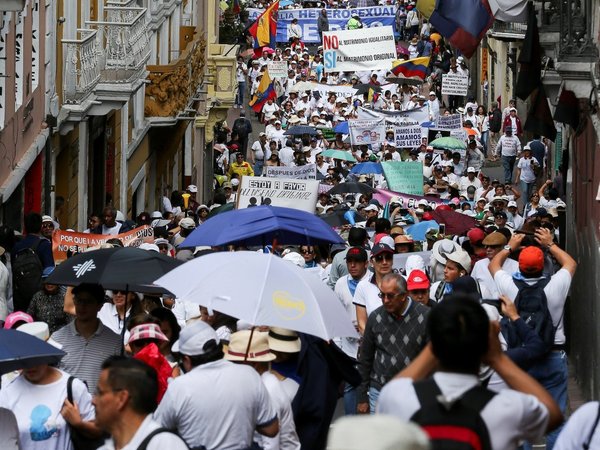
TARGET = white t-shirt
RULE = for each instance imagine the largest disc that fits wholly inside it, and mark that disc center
(160, 441)
(110, 318)
(556, 294)
(367, 295)
(218, 405)
(510, 416)
(526, 166)
(464, 184)
(112, 230)
(257, 149)
(577, 430)
(287, 438)
(349, 345)
(37, 409)
(9, 430)
(482, 274)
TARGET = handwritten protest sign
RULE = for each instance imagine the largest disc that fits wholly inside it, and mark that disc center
(73, 242)
(306, 172)
(455, 84)
(408, 137)
(278, 69)
(288, 192)
(451, 122)
(363, 132)
(404, 176)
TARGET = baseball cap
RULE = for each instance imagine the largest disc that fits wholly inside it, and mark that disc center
(194, 338)
(531, 260)
(476, 235)
(47, 219)
(235, 182)
(512, 204)
(146, 331)
(161, 241)
(471, 170)
(371, 208)
(381, 248)
(462, 258)
(15, 318)
(187, 223)
(357, 254)
(227, 184)
(192, 188)
(501, 214)
(417, 280)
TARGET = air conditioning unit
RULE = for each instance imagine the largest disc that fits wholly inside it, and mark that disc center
(12, 5)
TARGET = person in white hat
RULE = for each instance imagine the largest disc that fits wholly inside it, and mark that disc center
(470, 179)
(458, 264)
(433, 104)
(527, 169)
(517, 219)
(233, 404)
(252, 348)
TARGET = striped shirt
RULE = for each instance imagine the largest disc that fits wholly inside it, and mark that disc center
(84, 357)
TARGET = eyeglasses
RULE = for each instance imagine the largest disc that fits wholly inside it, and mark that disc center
(307, 252)
(384, 257)
(390, 296)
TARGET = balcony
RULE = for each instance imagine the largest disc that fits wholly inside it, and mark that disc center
(82, 66)
(508, 31)
(123, 36)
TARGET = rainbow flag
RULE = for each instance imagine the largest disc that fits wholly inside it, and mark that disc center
(264, 30)
(411, 67)
(264, 92)
(462, 22)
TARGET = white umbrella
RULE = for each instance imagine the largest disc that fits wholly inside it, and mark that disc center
(261, 289)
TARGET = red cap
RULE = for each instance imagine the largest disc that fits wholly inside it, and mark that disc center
(234, 146)
(531, 260)
(427, 216)
(417, 280)
(476, 235)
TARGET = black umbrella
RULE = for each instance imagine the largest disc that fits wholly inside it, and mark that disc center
(351, 188)
(126, 269)
(300, 129)
(364, 88)
(337, 218)
(20, 350)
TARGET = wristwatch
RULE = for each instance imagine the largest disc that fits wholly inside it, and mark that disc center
(507, 247)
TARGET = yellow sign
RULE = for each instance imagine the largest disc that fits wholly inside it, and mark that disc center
(484, 64)
(287, 307)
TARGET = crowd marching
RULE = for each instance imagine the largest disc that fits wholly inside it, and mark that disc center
(456, 291)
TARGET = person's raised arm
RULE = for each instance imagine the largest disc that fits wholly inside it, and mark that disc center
(498, 260)
(544, 237)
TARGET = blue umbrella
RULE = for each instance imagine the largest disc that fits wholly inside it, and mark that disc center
(261, 225)
(367, 168)
(20, 350)
(341, 127)
(419, 230)
(429, 124)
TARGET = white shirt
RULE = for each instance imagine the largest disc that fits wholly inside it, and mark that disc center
(510, 416)
(110, 318)
(112, 230)
(160, 441)
(482, 274)
(9, 430)
(257, 149)
(37, 409)
(367, 295)
(287, 438)
(464, 184)
(218, 405)
(526, 165)
(509, 145)
(349, 345)
(578, 428)
(556, 294)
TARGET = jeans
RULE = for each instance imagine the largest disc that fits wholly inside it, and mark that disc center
(526, 190)
(552, 373)
(484, 142)
(508, 163)
(373, 397)
(258, 167)
(349, 399)
(239, 98)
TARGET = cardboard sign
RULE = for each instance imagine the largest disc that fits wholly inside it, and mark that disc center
(287, 192)
(455, 84)
(69, 241)
(408, 137)
(358, 50)
(278, 69)
(404, 176)
(306, 172)
(365, 132)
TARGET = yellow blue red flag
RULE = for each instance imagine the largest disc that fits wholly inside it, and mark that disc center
(264, 30)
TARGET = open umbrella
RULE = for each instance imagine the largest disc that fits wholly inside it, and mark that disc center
(351, 188)
(127, 269)
(20, 350)
(338, 154)
(268, 291)
(448, 142)
(456, 223)
(261, 225)
(339, 218)
(342, 127)
(301, 129)
(364, 88)
(367, 168)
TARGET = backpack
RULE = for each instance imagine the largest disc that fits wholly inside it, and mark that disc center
(532, 305)
(144, 444)
(27, 271)
(453, 426)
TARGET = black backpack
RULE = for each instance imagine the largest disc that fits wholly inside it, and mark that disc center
(532, 305)
(453, 426)
(27, 271)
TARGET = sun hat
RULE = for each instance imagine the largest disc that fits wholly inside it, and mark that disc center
(417, 280)
(531, 260)
(193, 339)
(248, 345)
(442, 248)
(39, 330)
(495, 238)
(15, 318)
(283, 340)
(462, 258)
(146, 331)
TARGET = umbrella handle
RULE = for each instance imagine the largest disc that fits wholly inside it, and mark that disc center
(249, 343)
(124, 321)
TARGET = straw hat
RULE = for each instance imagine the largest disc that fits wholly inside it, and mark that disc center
(257, 351)
(282, 340)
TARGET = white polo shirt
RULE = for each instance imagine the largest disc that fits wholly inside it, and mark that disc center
(349, 345)
(367, 295)
(510, 416)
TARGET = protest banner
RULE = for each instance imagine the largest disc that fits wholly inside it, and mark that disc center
(365, 132)
(408, 136)
(288, 192)
(73, 242)
(415, 115)
(306, 172)
(451, 122)
(324, 89)
(404, 176)
(374, 16)
(357, 50)
(455, 84)
(407, 201)
(278, 69)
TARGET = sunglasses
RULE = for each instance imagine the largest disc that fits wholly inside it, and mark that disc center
(384, 257)
(307, 252)
(384, 295)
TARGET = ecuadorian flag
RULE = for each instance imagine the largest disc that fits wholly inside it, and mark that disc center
(264, 30)
(411, 67)
(264, 92)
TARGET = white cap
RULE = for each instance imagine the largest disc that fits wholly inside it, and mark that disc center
(512, 204)
(192, 188)
(471, 170)
(461, 257)
(149, 247)
(422, 202)
(193, 339)
(431, 93)
(38, 329)
(371, 207)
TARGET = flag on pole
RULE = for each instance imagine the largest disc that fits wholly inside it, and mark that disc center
(235, 6)
(264, 92)
(264, 30)
(530, 59)
(416, 67)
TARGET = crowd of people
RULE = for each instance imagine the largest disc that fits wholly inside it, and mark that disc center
(461, 328)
